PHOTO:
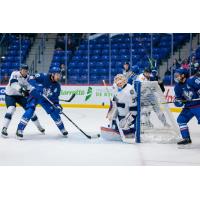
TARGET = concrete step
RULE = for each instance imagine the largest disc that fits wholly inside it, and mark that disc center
(46, 58)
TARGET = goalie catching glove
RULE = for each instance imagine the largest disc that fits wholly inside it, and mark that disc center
(178, 102)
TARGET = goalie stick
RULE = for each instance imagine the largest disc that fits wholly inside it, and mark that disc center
(88, 136)
(111, 105)
(69, 100)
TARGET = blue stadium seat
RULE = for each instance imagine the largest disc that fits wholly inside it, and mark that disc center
(84, 58)
(99, 64)
(114, 51)
(76, 58)
(115, 58)
(9, 59)
(125, 58)
(4, 71)
(59, 53)
(81, 52)
(95, 58)
(105, 52)
(6, 65)
(16, 65)
(124, 51)
(56, 59)
(95, 52)
(83, 47)
(82, 64)
(55, 64)
(12, 53)
(105, 58)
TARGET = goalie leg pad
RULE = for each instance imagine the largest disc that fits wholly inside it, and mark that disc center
(110, 134)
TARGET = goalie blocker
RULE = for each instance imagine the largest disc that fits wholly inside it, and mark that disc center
(161, 126)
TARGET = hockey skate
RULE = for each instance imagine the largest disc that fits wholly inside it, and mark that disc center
(4, 133)
(41, 129)
(65, 133)
(184, 141)
(19, 135)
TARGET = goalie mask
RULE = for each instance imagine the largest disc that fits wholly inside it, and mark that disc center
(120, 80)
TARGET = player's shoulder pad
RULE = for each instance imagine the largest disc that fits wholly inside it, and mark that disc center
(15, 73)
(130, 89)
(191, 80)
(196, 80)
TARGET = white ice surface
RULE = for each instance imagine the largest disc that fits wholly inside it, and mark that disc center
(53, 149)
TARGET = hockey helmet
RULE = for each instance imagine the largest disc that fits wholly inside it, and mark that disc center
(182, 71)
(135, 69)
(178, 72)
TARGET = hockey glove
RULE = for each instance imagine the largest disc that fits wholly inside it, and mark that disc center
(24, 91)
(59, 108)
(37, 94)
(178, 102)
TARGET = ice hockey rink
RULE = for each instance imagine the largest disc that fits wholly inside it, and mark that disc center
(53, 149)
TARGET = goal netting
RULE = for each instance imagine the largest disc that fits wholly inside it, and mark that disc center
(155, 122)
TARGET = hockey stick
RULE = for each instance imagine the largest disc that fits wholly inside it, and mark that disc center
(69, 100)
(104, 83)
(124, 139)
(183, 101)
(88, 136)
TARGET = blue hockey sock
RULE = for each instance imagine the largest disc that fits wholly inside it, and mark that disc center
(25, 119)
(58, 121)
(184, 130)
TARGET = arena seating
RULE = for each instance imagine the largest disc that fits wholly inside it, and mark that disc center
(11, 60)
(103, 53)
(99, 56)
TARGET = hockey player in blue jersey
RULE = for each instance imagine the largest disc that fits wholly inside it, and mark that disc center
(44, 84)
(187, 93)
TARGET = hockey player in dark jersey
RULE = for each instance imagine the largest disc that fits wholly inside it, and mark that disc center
(47, 85)
(187, 93)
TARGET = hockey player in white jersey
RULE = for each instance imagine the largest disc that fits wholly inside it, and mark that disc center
(123, 111)
(149, 102)
(16, 92)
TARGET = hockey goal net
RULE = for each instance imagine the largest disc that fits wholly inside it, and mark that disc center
(155, 122)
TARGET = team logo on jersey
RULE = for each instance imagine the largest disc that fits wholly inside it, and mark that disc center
(2, 90)
(47, 92)
(131, 92)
